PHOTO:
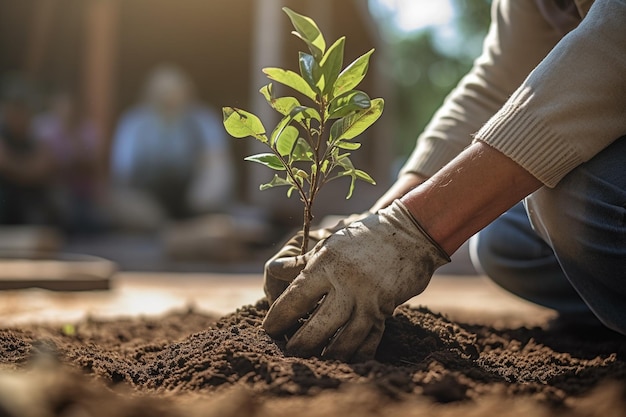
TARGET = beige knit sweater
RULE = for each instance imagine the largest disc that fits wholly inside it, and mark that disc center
(546, 98)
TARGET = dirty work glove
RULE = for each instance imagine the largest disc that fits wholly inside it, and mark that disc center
(286, 264)
(360, 274)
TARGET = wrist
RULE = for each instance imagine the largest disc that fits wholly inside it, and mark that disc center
(420, 229)
(468, 194)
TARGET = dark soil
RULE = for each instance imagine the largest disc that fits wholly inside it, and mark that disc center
(189, 364)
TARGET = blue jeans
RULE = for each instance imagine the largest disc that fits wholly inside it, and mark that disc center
(565, 247)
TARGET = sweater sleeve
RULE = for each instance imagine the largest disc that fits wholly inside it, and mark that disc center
(518, 39)
(573, 104)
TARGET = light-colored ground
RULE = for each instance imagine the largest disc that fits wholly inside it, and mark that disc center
(151, 293)
(455, 290)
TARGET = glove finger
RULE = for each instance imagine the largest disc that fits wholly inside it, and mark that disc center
(273, 288)
(279, 272)
(349, 339)
(286, 268)
(341, 223)
(313, 336)
(293, 245)
(299, 299)
(368, 348)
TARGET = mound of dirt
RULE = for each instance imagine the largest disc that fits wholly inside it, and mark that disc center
(188, 363)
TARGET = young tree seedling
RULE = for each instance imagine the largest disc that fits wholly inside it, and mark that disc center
(309, 145)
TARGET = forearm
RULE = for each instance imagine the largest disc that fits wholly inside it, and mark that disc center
(404, 184)
(468, 194)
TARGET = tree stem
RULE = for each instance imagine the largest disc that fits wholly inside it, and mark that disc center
(306, 226)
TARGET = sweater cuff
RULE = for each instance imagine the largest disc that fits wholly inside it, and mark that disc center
(430, 155)
(523, 137)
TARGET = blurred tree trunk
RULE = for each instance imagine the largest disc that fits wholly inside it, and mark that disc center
(100, 78)
(38, 41)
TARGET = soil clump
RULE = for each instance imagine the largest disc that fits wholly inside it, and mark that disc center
(188, 363)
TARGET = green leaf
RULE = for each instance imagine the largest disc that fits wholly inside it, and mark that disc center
(353, 179)
(353, 125)
(286, 140)
(279, 129)
(303, 112)
(300, 174)
(309, 70)
(275, 182)
(302, 151)
(356, 174)
(241, 124)
(353, 74)
(364, 176)
(324, 166)
(268, 92)
(282, 105)
(344, 162)
(268, 159)
(307, 30)
(331, 65)
(349, 171)
(337, 159)
(348, 102)
(290, 79)
(68, 329)
(351, 146)
(352, 183)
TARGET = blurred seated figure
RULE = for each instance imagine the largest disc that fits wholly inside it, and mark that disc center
(173, 150)
(25, 164)
(74, 144)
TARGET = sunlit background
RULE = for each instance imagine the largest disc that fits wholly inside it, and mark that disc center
(406, 16)
(456, 26)
(98, 63)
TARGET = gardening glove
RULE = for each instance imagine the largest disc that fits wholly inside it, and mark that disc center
(360, 274)
(285, 266)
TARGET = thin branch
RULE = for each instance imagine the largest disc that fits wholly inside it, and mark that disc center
(290, 173)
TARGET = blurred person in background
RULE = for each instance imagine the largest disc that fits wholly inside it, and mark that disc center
(73, 141)
(25, 164)
(172, 151)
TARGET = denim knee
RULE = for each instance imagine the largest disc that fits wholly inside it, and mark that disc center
(583, 219)
(497, 251)
(512, 255)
